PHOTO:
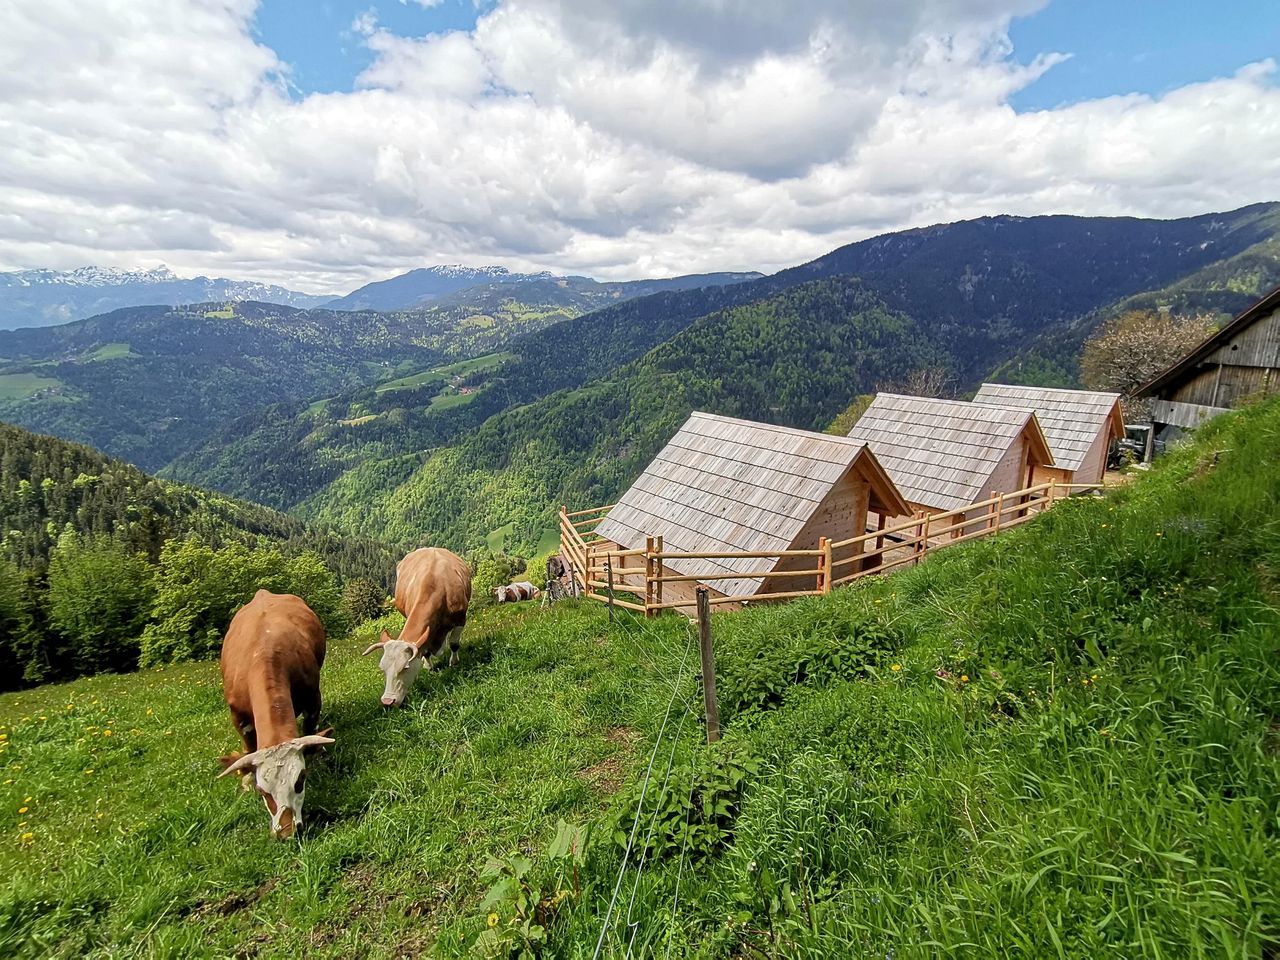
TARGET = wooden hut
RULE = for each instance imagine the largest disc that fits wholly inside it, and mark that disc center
(723, 485)
(946, 454)
(1080, 426)
(1239, 362)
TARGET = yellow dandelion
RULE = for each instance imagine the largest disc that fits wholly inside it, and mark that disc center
(22, 810)
(896, 667)
(28, 837)
(1159, 533)
(27, 800)
(964, 678)
(493, 920)
(4, 736)
(44, 718)
(106, 733)
(168, 733)
(150, 711)
(23, 823)
(89, 772)
(101, 814)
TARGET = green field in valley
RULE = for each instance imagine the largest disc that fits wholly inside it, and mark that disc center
(1060, 742)
(19, 386)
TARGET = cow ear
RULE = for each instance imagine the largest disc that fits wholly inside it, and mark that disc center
(384, 637)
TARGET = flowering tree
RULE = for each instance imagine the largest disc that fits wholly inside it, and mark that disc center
(1130, 349)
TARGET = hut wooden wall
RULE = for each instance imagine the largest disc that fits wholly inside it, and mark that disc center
(841, 514)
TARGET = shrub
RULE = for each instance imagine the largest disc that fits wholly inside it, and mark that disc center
(199, 589)
(362, 600)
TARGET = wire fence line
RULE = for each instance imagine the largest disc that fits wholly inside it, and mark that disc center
(644, 789)
(632, 924)
(684, 847)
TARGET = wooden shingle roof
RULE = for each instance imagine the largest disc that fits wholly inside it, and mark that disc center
(722, 485)
(941, 453)
(1071, 419)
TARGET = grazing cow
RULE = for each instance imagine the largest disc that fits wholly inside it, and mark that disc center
(514, 592)
(271, 659)
(433, 589)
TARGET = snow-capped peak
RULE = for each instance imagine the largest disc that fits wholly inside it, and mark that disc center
(89, 277)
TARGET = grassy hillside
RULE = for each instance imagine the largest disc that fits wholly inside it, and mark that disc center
(1061, 742)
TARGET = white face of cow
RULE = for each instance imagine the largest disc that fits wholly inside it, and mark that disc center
(400, 664)
(280, 775)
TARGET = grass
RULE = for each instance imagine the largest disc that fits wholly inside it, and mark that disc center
(1062, 742)
(444, 373)
(19, 386)
(111, 351)
(226, 313)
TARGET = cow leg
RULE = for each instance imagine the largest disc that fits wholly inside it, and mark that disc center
(249, 737)
(311, 714)
(455, 641)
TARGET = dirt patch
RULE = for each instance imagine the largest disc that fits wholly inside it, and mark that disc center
(235, 902)
(608, 775)
(623, 736)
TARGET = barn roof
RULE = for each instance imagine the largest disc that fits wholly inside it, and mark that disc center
(1175, 374)
(722, 485)
(1071, 419)
(941, 453)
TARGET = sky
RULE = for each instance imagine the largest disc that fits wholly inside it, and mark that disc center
(320, 144)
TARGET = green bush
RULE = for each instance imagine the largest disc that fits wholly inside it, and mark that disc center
(99, 598)
(199, 589)
(362, 600)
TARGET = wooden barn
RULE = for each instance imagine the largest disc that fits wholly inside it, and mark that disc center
(1239, 362)
(946, 454)
(1080, 426)
(723, 485)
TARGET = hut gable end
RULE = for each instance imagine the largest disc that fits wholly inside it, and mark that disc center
(722, 485)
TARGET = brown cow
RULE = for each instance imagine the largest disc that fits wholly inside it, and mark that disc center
(271, 659)
(433, 589)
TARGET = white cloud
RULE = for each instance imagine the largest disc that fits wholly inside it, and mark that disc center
(619, 140)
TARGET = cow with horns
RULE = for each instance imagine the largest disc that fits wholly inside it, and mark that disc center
(433, 590)
(271, 659)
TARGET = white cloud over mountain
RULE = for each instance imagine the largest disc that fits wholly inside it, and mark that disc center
(619, 140)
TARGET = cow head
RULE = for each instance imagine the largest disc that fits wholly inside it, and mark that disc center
(501, 594)
(280, 776)
(401, 664)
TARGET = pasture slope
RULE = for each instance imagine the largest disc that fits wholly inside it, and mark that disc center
(1061, 742)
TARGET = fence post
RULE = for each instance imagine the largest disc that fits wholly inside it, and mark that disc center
(608, 566)
(924, 540)
(1053, 489)
(824, 578)
(999, 512)
(648, 576)
(916, 547)
(657, 574)
(708, 666)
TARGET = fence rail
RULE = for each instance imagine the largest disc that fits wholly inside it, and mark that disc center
(634, 578)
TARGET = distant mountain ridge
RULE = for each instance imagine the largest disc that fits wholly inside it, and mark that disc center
(43, 297)
(459, 285)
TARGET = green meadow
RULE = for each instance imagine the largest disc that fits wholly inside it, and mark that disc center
(1061, 742)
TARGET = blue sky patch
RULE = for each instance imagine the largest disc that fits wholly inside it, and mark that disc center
(326, 55)
(1140, 46)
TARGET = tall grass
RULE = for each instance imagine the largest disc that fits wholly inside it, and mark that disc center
(1059, 742)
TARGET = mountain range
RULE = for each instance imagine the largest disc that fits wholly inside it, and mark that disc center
(41, 298)
(464, 420)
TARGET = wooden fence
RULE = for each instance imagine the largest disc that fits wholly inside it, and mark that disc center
(634, 579)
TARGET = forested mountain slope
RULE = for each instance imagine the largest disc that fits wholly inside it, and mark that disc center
(47, 484)
(789, 359)
(981, 291)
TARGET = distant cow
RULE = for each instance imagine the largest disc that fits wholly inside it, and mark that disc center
(271, 659)
(433, 589)
(514, 592)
